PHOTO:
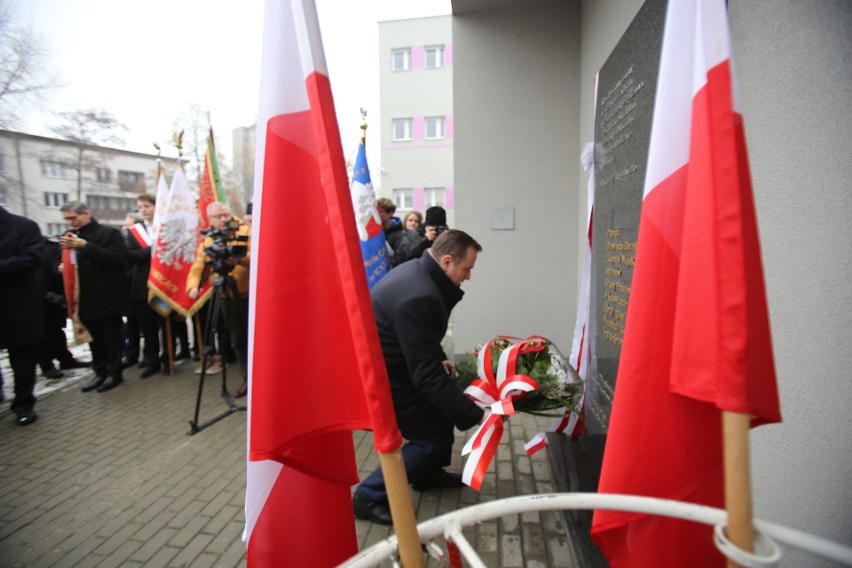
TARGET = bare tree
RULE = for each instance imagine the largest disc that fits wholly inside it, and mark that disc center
(24, 76)
(88, 129)
(195, 124)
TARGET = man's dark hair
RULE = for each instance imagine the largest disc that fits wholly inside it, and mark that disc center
(386, 205)
(147, 197)
(77, 207)
(454, 243)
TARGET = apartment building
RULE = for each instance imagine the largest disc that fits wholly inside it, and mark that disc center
(39, 174)
(416, 107)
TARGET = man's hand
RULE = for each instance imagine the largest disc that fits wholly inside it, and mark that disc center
(71, 241)
(193, 294)
(449, 368)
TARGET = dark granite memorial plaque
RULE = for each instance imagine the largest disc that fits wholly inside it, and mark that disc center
(625, 106)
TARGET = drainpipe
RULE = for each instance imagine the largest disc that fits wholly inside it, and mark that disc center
(21, 176)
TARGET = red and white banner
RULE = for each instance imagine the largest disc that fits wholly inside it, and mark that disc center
(697, 338)
(315, 370)
(172, 256)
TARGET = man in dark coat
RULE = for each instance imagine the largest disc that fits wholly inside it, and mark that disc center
(21, 253)
(100, 256)
(139, 239)
(55, 313)
(412, 306)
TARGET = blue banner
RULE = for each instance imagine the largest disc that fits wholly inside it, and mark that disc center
(373, 247)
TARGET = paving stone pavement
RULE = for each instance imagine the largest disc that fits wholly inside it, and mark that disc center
(112, 479)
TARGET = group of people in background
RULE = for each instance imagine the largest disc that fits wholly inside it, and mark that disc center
(109, 293)
(407, 238)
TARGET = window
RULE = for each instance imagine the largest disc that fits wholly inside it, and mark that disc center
(434, 57)
(434, 197)
(52, 199)
(106, 202)
(131, 181)
(52, 169)
(402, 130)
(434, 127)
(104, 174)
(56, 228)
(403, 198)
(401, 59)
(4, 195)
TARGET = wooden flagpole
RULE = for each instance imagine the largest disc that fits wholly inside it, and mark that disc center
(402, 509)
(735, 432)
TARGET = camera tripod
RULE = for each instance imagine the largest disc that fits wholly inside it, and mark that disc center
(221, 284)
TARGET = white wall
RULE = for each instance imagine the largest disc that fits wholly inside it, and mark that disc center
(517, 89)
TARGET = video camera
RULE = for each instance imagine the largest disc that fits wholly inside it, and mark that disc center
(222, 247)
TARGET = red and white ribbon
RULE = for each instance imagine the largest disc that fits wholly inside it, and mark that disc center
(497, 392)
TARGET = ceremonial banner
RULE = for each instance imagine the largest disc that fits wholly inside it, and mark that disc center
(174, 252)
(373, 245)
(697, 339)
(161, 198)
(210, 187)
(308, 297)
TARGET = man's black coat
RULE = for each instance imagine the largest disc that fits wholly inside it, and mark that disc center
(412, 306)
(21, 289)
(139, 258)
(102, 270)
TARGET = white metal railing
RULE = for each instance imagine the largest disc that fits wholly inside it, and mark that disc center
(449, 527)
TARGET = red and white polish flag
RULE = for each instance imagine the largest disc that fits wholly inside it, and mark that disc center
(316, 370)
(697, 338)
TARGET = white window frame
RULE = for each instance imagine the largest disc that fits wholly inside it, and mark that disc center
(55, 199)
(435, 128)
(404, 61)
(403, 197)
(51, 168)
(401, 130)
(433, 197)
(56, 228)
(104, 175)
(433, 57)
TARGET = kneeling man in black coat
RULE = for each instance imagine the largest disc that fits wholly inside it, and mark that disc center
(412, 306)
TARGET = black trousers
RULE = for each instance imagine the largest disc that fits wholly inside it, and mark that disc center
(106, 345)
(236, 316)
(23, 360)
(147, 320)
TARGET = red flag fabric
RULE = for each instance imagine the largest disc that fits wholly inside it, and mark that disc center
(316, 369)
(209, 190)
(697, 338)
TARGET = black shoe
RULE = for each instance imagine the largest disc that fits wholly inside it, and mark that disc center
(26, 417)
(149, 371)
(53, 373)
(378, 513)
(128, 362)
(74, 364)
(437, 479)
(111, 382)
(94, 384)
(181, 355)
(242, 391)
(141, 364)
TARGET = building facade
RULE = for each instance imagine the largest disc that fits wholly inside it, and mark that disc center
(416, 108)
(39, 174)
